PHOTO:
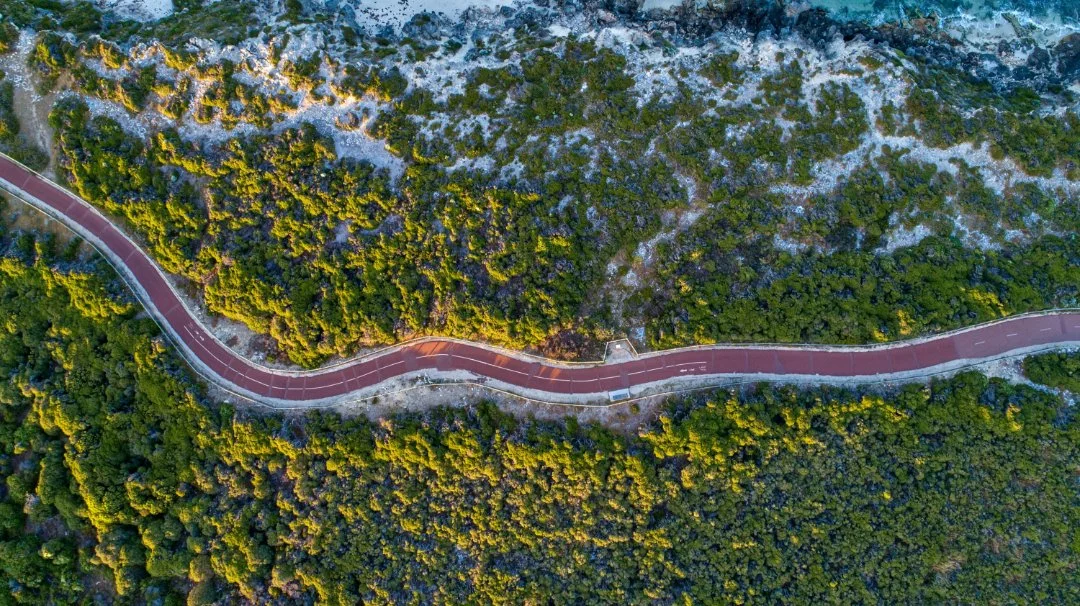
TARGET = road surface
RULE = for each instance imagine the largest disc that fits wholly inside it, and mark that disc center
(519, 373)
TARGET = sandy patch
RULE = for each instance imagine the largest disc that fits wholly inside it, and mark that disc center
(137, 10)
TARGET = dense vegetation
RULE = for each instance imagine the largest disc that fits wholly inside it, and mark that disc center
(124, 481)
(534, 189)
(229, 21)
(121, 483)
(504, 217)
(725, 279)
(1010, 124)
(1058, 370)
(854, 296)
(318, 253)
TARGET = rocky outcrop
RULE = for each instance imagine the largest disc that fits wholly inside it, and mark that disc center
(1067, 56)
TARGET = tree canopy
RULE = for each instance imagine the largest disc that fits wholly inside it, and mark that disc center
(124, 481)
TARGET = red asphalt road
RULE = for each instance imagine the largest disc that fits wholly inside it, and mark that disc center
(981, 342)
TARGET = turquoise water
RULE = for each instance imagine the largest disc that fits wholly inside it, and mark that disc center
(890, 10)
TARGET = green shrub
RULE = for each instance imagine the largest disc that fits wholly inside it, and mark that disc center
(1058, 370)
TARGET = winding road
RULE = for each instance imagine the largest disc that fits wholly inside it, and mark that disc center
(620, 377)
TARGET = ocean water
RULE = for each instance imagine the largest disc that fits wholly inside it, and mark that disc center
(977, 25)
(1049, 11)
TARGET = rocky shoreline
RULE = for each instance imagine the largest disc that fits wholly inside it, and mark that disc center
(1017, 60)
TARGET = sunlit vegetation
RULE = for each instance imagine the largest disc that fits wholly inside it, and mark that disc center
(9, 36)
(319, 253)
(52, 55)
(121, 483)
(517, 195)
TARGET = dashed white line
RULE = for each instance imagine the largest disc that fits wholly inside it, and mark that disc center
(228, 366)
